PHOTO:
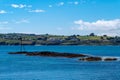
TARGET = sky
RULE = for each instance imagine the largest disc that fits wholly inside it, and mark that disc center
(60, 17)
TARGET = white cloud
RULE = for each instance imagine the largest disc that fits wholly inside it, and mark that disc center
(37, 11)
(20, 5)
(61, 4)
(22, 21)
(2, 12)
(99, 26)
(76, 3)
(50, 6)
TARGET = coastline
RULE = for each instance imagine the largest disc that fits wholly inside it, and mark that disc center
(47, 39)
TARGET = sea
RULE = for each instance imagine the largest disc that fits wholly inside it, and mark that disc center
(22, 67)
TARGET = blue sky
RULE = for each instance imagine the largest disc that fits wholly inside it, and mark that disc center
(60, 17)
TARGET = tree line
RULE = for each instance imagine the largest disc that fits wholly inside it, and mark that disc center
(47, 39)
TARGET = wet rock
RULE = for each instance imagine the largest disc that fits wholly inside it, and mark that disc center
(23, 52)
(110, 59)
(83, 57)
(55, 54)
(91, 59)
(51, 54)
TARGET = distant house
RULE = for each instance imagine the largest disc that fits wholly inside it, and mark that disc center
(41, 38)
(72, 38)
(55, 40)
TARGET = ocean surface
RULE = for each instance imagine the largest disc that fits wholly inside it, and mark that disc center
(21, 67)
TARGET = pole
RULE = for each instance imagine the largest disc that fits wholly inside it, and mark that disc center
(21, 44)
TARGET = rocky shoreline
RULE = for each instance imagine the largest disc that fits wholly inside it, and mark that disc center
(82, 57)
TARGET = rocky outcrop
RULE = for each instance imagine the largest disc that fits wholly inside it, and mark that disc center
(110, 59)
(55, 54)
(50, 54)
(82, 57)
(91, 59)
(23, 52)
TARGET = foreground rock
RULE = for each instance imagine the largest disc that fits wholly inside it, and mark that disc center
(91, 59)
(82, 57)
(110, 59)
(50, 54)
(23, 52)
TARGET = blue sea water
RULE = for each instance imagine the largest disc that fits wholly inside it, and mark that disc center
(21, 67)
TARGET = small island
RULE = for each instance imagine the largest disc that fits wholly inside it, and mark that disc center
(81, 57)
(51, 54)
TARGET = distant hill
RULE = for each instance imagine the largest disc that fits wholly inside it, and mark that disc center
(46, 39)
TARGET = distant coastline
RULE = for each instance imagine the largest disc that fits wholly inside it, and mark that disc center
(47, 39)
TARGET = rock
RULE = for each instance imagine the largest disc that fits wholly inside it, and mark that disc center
(23, 52)
(91, 59)
(50, 54)
(110, 59)
(55, 54)
(82, 57)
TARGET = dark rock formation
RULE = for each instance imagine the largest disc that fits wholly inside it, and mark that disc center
(110, 59)
(91, 59)
(82, 57)
(50, 54)
(23, 52)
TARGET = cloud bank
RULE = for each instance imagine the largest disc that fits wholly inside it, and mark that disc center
(100, 26)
